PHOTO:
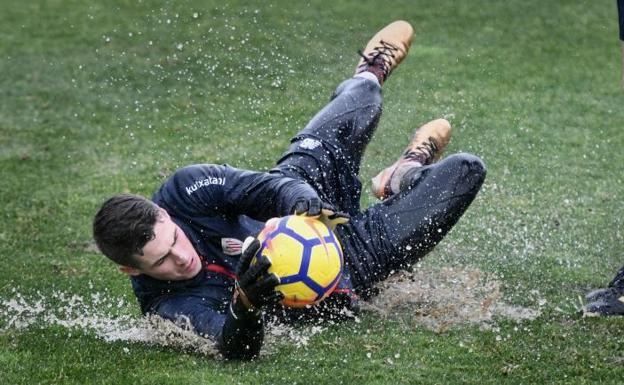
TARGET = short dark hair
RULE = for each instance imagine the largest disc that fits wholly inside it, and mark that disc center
(122, 227)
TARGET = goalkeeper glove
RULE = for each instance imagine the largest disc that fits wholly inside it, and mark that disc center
(326, 213)
(255, 287)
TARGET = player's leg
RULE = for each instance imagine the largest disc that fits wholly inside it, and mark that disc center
(346, 124)
(608, 301)
(426, 147)
(349, 120)
(328, 151)
(400, 230)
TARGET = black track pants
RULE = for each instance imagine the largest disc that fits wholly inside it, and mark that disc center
(397, 232)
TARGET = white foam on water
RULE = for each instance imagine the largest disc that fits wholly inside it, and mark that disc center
(92, 315)
(443, 298)
(278, 333)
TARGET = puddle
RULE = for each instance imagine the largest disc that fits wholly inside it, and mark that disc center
(435, 299)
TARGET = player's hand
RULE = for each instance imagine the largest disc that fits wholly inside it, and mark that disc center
(255, 287)
(326, 213)
(310, 207)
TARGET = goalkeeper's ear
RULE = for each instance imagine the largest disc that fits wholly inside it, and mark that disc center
(132, 271)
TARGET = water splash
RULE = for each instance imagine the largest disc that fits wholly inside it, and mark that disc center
(437, 299)
(93, 315)
(443, 298)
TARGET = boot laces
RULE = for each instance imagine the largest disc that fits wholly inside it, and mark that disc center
(428, 149)
(381, 55)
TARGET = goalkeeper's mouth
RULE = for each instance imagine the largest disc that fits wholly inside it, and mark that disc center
(191, 266)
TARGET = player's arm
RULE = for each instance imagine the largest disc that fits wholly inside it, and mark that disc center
(263, 195)
(239, 334)
(254, 288)
(215, 190)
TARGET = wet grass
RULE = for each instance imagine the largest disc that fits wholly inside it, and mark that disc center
(96, 99)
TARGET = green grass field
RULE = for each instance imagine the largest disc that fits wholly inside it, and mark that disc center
(102, 98)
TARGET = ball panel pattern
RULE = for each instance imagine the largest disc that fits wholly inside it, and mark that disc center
(306, 256)
(297, 294)
(281, 262)
(306, 228)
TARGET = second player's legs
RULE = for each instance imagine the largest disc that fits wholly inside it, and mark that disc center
(397, 232)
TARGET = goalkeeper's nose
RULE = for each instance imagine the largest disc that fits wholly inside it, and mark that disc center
(179, 256)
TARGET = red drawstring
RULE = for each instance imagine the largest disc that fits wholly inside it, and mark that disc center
(219, 269)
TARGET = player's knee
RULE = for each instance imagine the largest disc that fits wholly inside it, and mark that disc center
(369, 93)
(361, 91)
(474, 163)
(471, 166)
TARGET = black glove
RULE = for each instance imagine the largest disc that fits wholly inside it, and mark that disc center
(254, 286)
(326, 213)
(310, 207)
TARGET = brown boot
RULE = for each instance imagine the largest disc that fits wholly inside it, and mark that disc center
(386, 50)
(425, 148)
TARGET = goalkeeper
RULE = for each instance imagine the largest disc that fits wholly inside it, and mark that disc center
(184, 249)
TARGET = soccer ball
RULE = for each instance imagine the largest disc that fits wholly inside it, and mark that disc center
(305, 255)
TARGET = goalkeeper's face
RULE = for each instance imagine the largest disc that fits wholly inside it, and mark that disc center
(169, 256)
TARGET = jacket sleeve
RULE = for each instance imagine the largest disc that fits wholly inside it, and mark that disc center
(238, 334)
(215, 190)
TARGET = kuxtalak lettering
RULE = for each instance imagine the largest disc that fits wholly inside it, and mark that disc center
(208, 181)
